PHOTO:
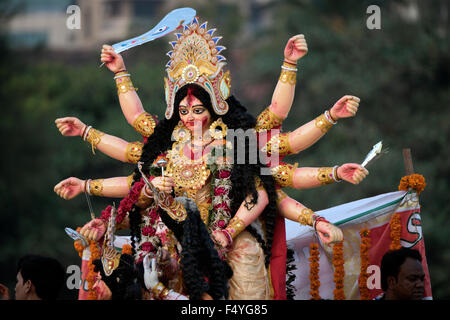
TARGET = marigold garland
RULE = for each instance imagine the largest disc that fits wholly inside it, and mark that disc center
(314, 271)
(91, 277)
(79, 246)
(364, 258)
(413, 181)
(339, 272)
(396, 231)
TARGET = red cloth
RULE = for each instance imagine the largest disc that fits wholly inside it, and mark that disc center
(278, 260)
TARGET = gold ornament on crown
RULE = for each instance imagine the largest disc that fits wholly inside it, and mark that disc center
(196, 58)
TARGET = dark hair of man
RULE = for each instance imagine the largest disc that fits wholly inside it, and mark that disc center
(392, 261)
(45, 273)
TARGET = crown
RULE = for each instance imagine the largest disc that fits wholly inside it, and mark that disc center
(196, 58)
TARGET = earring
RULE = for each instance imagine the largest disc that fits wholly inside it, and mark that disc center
(218, 129)
(181, 133)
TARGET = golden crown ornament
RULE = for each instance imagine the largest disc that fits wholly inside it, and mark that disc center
(196, 58)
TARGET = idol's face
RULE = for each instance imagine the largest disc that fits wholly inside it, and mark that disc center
(194, 114)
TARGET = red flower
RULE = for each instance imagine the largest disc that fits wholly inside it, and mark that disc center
(221, 224)
(148, 231)
(106, 213)
(220, 191)
(223, 174)
(154, 214)
(223, 206)
(147, 246)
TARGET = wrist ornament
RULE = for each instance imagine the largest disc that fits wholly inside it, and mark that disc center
(280, 144)
(288, 73)
(327, 175)
(324, 122)
(94, 187)
(306, 217)
(267, 120)
(134, 151)
(123, 82)
(318, 219)
(144, 124)
(235, 226)
(160, 292)
(93, 136)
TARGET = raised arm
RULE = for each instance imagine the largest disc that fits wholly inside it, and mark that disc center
(112, 146)
(283, 95)
(131, 105)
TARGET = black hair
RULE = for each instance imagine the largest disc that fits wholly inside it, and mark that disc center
(392, 261)
(124, 281)
(45, 273)
(199, 258)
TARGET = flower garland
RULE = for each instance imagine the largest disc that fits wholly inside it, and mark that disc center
(150, 241)
(127, 249)
(364, 260)
(219, 211)
(413, 181)
(314, 271)
(396, 231)
(339, 271)
(91, 277)
(78, 245)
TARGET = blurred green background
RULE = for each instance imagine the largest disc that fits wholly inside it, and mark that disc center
(400, 72)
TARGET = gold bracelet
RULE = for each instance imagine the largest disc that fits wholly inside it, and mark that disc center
(284, 174)
(282, 142)
(267, 120)
(306, 217)
(235, 226)
(96, 187)
(163, 295)
(134, 152)
(325, 175)
(174, 208)
(130, 180)
(322, 123)
(144, 124)
(288, 74)
(281, 195)
(94, 137)
(158, 289)
(123, 82)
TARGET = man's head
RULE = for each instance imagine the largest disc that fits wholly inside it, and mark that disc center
(38, 277)
(402, 275)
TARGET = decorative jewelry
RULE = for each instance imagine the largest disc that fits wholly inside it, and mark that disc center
(181, 133)
(134, 152)
(267, 120)
(281, 195)
(235, 226)
(280, 142)
(145, 124)
(123, 82)
(110, 256)
(85, 132)
(318, 219)
(95, 187)
(288, 74)
(284, 174)
(130, 180)
(327, 175)
(322, 123)
(329, 117)
(94, 137)
(174, 208)
(335, 177)
(218, 134)
(306, 217)
(196, 58)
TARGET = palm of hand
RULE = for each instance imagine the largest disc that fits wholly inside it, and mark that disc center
(340, 109)
(94, 230)
(328, 233)
(347, 172)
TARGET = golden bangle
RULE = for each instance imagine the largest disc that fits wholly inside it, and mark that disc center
(134, 152)
(325, 175)
(158, 289)
(306, 217)
(123, 83)
(267, 120)
(288, 74)
(280, 141)
(235, 226)
(145, 124)
(281, 195)
(284, 174)
(96, 187)
(163, 295)
(322, 123)
(94, 137)
(130, 180)
(174, 208)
